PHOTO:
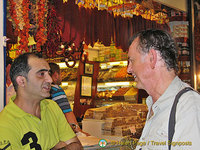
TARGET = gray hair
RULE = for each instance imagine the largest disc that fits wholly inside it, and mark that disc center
(161, 41)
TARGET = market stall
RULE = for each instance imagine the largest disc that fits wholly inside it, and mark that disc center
(68, 32)
(90, 39)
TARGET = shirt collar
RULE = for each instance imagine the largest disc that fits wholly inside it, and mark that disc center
(16, 111)
(171, 91)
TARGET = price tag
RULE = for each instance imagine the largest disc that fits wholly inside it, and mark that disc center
(133, 130)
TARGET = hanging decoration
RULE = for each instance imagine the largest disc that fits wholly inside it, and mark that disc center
(23, 43)
(128, 8)
(161, 17)
(41, 36)
(18, 13)
(71, 53)
(53, 33)
(13, 15)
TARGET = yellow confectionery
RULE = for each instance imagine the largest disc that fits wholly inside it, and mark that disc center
(131, 94)
(131, 91)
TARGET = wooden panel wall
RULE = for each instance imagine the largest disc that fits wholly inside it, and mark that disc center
(79, 110)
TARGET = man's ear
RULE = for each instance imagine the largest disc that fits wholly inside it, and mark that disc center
(8, 66)
(55, 75)
(21, 81)
(153, 58)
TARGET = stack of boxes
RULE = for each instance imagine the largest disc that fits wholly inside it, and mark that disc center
(121, 119)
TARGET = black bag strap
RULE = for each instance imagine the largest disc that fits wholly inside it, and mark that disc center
(172, 118)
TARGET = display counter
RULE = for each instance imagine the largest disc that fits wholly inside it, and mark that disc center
(116, 121)
(94, 127)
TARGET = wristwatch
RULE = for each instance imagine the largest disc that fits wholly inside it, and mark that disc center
(74, 126)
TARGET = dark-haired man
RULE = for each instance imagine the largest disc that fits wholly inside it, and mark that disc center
(30, 121)
(59, 96)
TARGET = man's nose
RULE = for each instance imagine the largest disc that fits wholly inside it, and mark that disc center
(49, 79)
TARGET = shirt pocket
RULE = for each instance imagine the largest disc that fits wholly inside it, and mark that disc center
(158, 141)
(162, 134)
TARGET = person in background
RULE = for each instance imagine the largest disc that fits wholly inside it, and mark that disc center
(9, 86)
(58, 95)
(30, 121)
(152, 61)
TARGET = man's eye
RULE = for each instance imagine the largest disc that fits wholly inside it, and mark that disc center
(130, 61)
(41, 73)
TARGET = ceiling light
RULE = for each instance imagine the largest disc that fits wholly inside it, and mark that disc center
(64, 84)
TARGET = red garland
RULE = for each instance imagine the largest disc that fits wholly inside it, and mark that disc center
(24, 32)
(13, 15)
(40, 36)
(24, 35)
(53, 33)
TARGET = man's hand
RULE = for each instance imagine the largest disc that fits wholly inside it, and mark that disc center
(60, 146)
(72, 144)
(77, 129)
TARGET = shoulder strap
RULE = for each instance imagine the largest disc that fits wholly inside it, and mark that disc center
(172, 118)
